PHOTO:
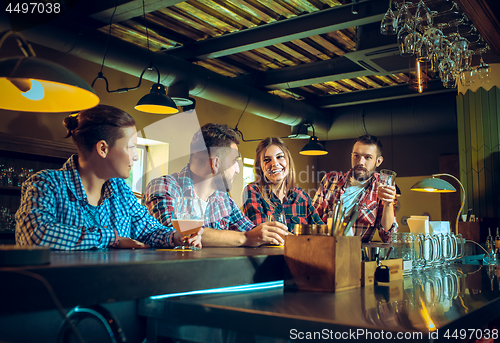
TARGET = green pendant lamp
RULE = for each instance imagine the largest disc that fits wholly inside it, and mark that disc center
(435, 185)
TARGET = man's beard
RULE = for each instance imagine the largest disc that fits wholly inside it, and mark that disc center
(362, 174)
(221, 183)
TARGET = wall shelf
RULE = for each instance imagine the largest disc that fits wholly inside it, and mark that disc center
(29, 153)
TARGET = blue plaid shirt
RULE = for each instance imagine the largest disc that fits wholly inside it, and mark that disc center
(55, 212)
(222, 213)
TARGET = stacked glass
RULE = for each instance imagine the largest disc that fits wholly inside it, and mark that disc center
(418, 36)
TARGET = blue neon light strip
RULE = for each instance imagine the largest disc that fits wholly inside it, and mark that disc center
(231, 289)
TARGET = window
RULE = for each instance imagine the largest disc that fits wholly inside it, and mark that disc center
(136, 178)
(248, 175)
(152, 163)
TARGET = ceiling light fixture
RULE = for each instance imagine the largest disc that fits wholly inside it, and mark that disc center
(418, 75)
(314, 147)
(300, 131)
(179, 93)
(32, 84)
(435, 185)
(157, 101)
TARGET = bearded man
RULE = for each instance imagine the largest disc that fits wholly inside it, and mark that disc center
(213, 163)
(360, 192)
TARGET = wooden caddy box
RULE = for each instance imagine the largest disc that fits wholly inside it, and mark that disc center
(322, 263)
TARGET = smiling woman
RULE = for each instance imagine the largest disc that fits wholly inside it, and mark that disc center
(274, 196)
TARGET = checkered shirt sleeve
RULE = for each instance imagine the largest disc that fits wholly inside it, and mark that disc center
(159, 195)
(370, 208)
(53, 213)
(222, 212)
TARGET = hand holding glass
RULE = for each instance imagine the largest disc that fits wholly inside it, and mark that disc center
(188, 218)
(280, 219)
(387, 177)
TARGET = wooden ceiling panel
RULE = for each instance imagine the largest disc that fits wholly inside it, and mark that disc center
(188, 24)
(254, 11)
(224, 13)
(206, 32)
(208, 17)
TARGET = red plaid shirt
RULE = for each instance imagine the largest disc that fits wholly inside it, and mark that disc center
(297, 207)
(369, 210)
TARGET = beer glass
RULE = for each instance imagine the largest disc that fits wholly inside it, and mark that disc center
(278, 217)
(403, 244)
(419, 252)
(387, 177)
(428, 250)
(444, 243)
(437, 249)
(460, 246)
(449, 248)
(188, 218)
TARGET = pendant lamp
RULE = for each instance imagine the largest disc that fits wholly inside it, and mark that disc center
(157, 101)
(435, 185)
(32, 84)
(313, 147)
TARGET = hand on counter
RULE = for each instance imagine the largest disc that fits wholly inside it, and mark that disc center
(386, 193)
(265, 233)
(129, 243)
(193, 240)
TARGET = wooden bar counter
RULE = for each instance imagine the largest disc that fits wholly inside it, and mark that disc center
(440, 300)
(440, 304)
(113, 275)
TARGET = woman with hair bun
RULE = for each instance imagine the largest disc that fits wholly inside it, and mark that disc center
(274, 196)
(86, 204)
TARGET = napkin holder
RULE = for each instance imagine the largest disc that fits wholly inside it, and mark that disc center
(419, 224)
(322, 263)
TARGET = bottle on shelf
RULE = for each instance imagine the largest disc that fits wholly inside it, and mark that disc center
(497, 245)
(489, 241)
(490, 248)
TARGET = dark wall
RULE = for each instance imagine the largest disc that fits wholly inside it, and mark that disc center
(434, 113)
(408, 155)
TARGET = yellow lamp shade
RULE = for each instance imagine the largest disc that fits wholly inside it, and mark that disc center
(313, 148)
(157, 101)
(32, 84)
(433, 185)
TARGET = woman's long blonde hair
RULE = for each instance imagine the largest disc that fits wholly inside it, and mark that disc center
(260, 179)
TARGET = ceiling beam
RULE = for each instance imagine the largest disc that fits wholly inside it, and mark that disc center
(378, 94)
(130, 9)
(482, 14)
(307, 74)
(333, 19)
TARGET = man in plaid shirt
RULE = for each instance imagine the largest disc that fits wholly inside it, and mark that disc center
(209, 176)
(360, 186)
